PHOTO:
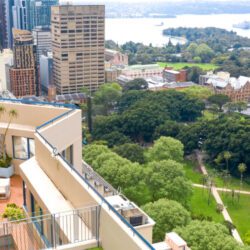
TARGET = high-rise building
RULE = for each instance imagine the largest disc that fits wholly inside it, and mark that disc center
(20, 15)
(39, 12)
(78, 47)
(42, 40)
(46, 71)
(3, 27)
(9, 21)
(24, 77)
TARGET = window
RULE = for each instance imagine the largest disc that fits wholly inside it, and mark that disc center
(37, 212)
(68, 154)
(23, 148)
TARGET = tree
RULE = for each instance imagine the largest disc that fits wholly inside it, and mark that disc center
(90, 152)
(107, 96)
(227, 155)
(207, 236)
(136, 84)
(115, 138)
(167, 179)
(167, 214)
(166, 148)
(219, 99)
(197, 91)
(242, 169)
(130, 151)
(204, 52)
(247, 238)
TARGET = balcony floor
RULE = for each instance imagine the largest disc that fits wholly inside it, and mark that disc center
(16, 193)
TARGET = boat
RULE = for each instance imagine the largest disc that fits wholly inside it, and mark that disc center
(244, 25)
(160, 24)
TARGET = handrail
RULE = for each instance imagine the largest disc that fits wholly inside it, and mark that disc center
(65, 105)
(135, 232)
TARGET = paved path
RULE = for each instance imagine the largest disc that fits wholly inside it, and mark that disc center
(216, 195)
(224, 189)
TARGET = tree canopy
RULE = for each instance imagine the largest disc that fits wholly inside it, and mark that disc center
(167, 214)
(208, 236)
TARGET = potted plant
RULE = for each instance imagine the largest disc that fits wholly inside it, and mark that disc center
(6, 168)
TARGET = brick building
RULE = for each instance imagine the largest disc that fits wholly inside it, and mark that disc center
(24, 78)
(171, 75)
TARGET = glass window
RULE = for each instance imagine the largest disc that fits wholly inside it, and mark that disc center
(23, 148)
(20, 147)
(68, 154)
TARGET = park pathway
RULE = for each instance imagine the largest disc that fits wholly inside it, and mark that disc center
(224, 189)
(217, 198)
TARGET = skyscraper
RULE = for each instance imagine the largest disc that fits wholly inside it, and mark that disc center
(78, 47)
(24, 74)
(9, 21)
(20, 14)
(39, 12)
(3, 27)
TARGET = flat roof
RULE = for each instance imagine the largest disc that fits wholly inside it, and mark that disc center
(176, 239)
(161, 246)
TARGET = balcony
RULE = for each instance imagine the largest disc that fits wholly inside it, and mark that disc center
(66, 230)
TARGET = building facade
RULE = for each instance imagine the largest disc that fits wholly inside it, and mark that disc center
(40, 13)
(46, 71)
(3, 26)
(78, 47)
(42, 41)
(9, 21)
(24, 78)
(116, 58)
(171, 75)
(20, 14)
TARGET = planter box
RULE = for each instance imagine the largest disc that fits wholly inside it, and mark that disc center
(7, 172)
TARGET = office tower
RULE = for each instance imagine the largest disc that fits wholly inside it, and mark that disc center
(42, 41)
(78, 47)
(39, 12)
(9, 21)
(24, 77)
(19, 14)
(46, 71)
(3, 28)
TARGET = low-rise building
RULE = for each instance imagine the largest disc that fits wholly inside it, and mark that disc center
(171, 75)
(116, 58)
(238, 89)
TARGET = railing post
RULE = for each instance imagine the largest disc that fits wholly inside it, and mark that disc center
(53, 230)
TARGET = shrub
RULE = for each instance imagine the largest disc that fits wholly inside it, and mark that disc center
(13, 212)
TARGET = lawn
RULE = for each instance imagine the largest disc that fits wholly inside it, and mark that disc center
(178, 66)
(234, 183)
(199, 205)
(239, 212)
(191, 171)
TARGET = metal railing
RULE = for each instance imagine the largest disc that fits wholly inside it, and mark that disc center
(51, 230)
(65, 105)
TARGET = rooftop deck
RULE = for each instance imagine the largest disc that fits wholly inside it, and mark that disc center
(16, 193)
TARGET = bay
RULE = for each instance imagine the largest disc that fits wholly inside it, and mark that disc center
(149, 30)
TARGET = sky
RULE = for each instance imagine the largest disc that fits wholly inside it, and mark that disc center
(132, 1)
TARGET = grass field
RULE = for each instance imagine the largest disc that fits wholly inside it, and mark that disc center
(234, 183)
(199, 205)
(191, 171)
(239, 212)
(178, 66)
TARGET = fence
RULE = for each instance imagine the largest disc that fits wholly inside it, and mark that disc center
(50, 231)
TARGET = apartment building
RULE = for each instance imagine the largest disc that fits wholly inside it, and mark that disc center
(71, 206)
(78, 47)
(24, 78)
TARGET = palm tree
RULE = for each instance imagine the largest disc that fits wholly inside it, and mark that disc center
(242, 169)
(12, 114)
(227, 155)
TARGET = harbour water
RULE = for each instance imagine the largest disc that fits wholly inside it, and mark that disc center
(149, 30)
